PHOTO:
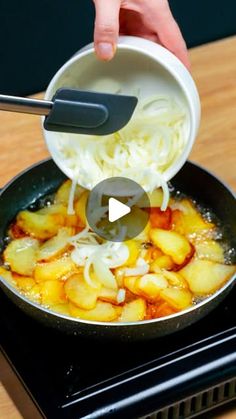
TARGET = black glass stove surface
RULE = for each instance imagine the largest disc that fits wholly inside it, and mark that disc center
(70, 377)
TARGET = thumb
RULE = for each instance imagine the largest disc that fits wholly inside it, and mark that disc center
(106, 29)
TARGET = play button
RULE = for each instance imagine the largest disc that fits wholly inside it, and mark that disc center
(117, 209)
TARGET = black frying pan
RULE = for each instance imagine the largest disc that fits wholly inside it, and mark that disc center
(45, 177)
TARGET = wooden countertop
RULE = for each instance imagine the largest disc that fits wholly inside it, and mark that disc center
(214, 70)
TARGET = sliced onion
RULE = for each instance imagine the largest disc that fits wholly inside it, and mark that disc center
(103, 273)
(143, 150)
(87, 276)
(121, 295)
(166, 195)
(138, 270)
(70, 208)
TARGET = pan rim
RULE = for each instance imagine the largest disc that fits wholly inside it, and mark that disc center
(49, 312)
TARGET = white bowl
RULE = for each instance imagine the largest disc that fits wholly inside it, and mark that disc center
(140, 65)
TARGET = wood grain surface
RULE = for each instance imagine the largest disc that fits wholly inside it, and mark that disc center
(214, 70)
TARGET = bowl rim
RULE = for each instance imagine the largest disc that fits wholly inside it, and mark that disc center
(115, 324)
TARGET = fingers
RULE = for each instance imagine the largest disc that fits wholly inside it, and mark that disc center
(169, 33)
(106, 29)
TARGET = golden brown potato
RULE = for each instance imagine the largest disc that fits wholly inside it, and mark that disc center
(175, 279)
(34, 294)
(60, 308)
(80, 293)
(134, 311)
(150, 285)
(172, 244)
(41, 226)
(162, 262)
(103, 312)
(60, 209)
(80, 207)
(55, 246)
(72, 221)
(52, 292)
(56, 269)
(63, 193)
(109, 295)
(188, 221)
(210, 250)
(20, 254)
(155, 199)
(25, 283)
(205, 277)
(134, 250)
(130, 283)
(177, 298)
(53, 209)
(7, 275)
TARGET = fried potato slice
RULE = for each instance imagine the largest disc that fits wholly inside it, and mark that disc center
(40, 226)
(210, 250)
(56, 245)
(156, 310)
(53, 209)
(103, 312)
(162, 262)
(80, 207)
(60, 209)
(130, 283)
(20, 254)
(134, 250)
(172, 244)
(25, 283)
(80, 293)
(133, 311)
(160, 219)
(150, 285)
(7, 275)
(151, 254)
(109, 295)
(56, 269)
(52, 292)
(177, 298)
(188, 221)
(175, 279)
(15, 231)
(63, 193)
(155, 199)
(34, 294)
(60, 308)
(205, 277)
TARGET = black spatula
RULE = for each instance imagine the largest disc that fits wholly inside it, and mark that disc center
(77, 111)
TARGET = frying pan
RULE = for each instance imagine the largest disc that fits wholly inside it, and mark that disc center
(45, 177)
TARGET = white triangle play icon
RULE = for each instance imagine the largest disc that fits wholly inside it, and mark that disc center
(116, 209)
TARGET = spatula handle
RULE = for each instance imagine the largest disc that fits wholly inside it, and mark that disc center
(25, 105)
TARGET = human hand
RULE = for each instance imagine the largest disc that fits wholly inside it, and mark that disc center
(150, 19)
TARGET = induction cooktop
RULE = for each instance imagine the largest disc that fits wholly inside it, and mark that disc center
(177, 376)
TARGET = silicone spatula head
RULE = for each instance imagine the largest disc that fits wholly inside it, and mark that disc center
(84, 112)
